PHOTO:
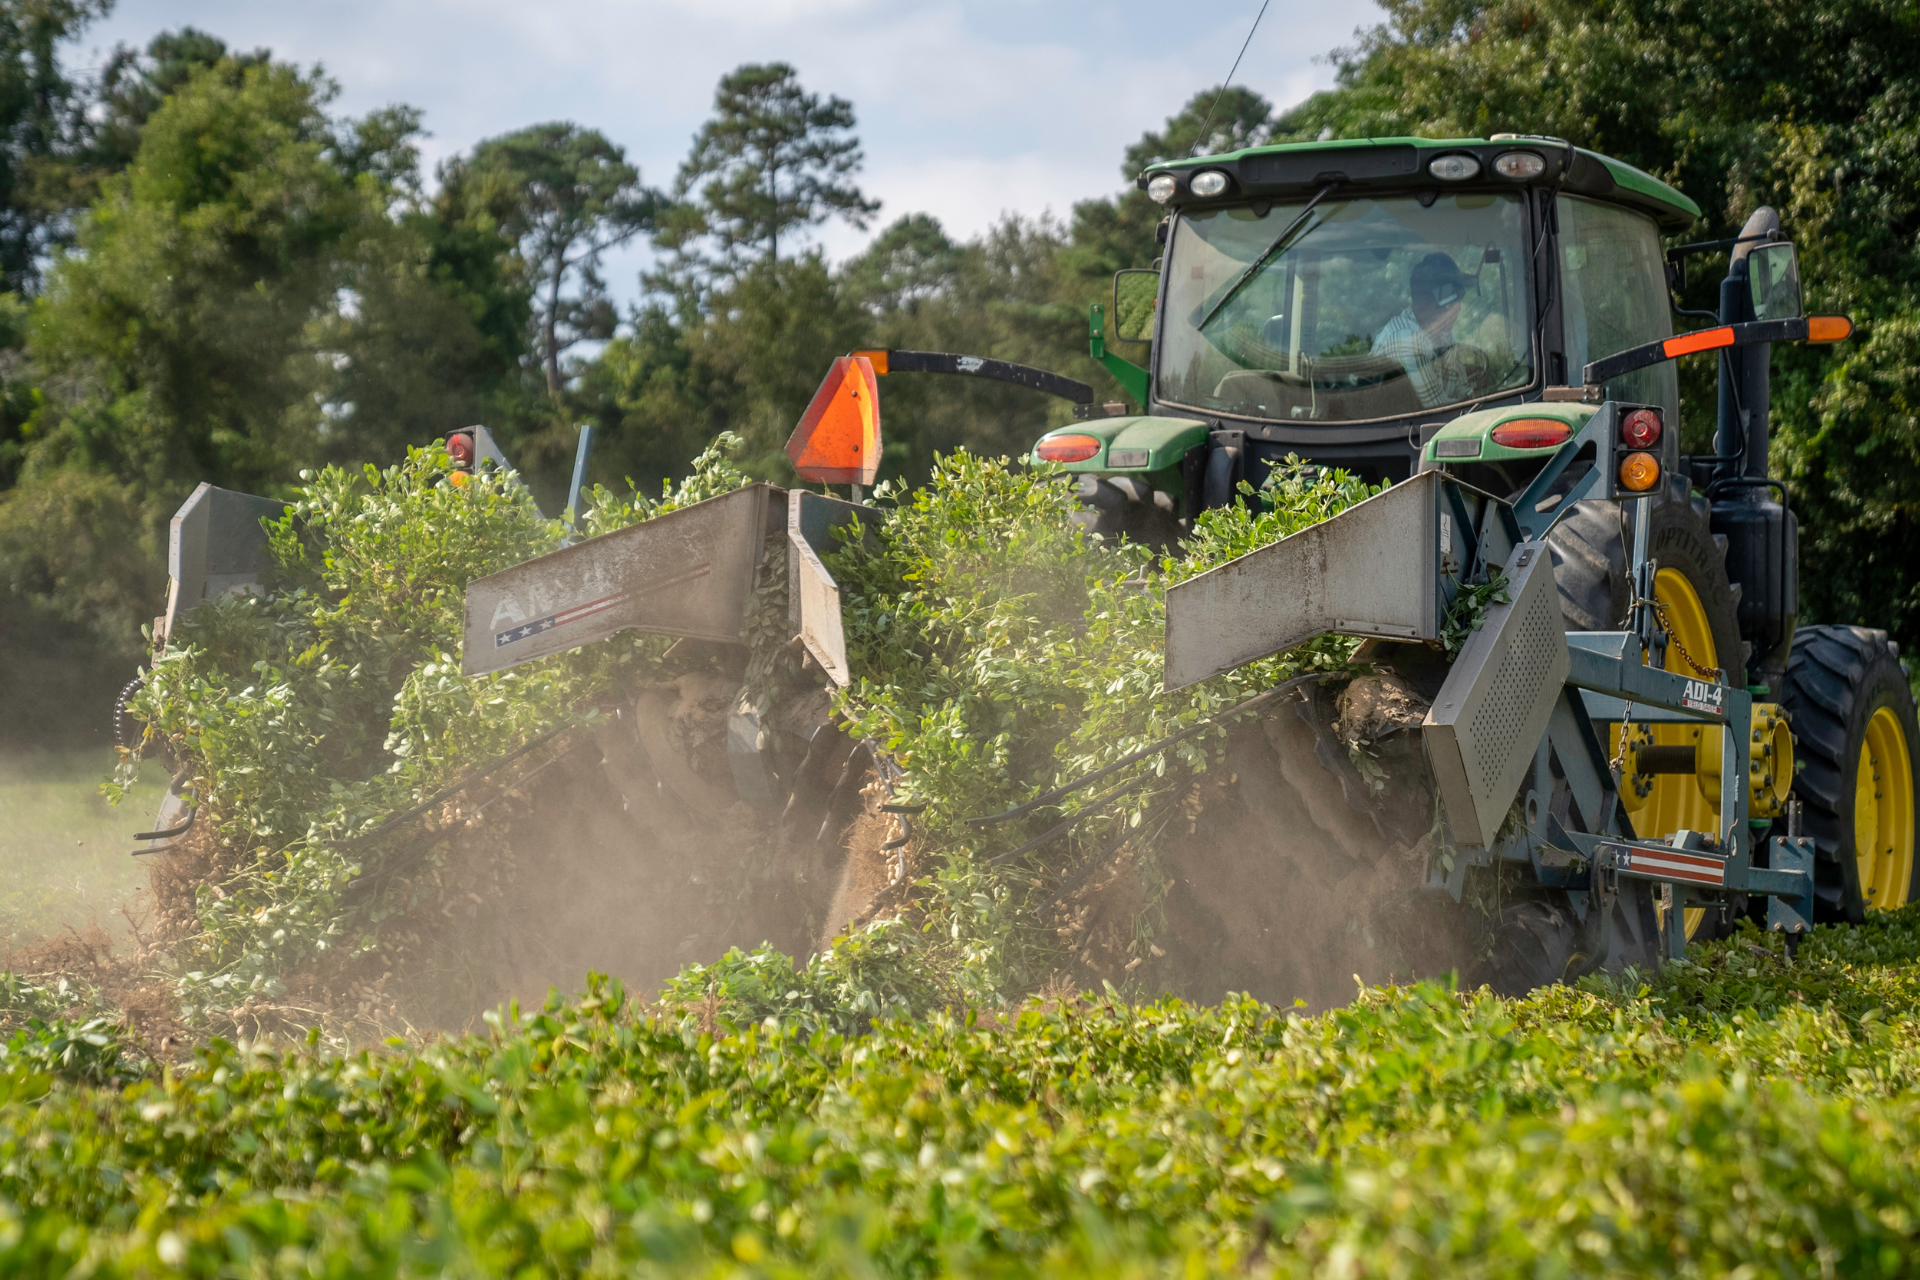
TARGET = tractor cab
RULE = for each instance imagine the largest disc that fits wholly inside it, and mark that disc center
(1344, 301)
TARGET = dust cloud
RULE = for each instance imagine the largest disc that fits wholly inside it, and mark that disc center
(627, 851)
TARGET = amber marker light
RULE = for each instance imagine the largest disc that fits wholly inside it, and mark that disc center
(1829, 328)
(1639, 472)
(1532, 433)
(1067, 448)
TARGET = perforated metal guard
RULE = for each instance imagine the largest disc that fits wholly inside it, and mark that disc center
(1491, 713)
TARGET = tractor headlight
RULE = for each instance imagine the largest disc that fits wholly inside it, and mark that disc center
(1208, 184)
(1519, 165)
(1160, 187)
(1454, 168)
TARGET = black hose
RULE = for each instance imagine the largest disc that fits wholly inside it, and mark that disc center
(1055, 832)
(1152, 748)
(396, 819)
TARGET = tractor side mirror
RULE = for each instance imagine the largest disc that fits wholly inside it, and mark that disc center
(1135, 294)
(1773, 276)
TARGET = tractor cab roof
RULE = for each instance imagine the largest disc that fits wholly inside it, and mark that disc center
(1299, 169)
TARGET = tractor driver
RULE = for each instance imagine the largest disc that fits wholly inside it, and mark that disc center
(1421, 337)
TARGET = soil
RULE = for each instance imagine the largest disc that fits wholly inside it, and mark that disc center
(1287, 875)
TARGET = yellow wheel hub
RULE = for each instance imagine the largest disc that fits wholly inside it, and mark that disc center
(1883, 813)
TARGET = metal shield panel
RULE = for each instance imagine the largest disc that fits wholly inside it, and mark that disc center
(1486, 723)
(1369, 571)
(814, 597)
(215, 545)
(688, 573)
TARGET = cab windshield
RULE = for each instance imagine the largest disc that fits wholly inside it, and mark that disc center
(1362, 309)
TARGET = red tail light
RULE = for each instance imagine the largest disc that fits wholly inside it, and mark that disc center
(1532, 433)
(460, 446)
(1640, 429)
(1067, 448)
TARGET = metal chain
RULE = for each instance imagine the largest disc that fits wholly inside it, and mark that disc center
(1620, 757)
(1673, 637)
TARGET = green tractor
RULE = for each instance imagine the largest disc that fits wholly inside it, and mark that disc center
(1477, 308)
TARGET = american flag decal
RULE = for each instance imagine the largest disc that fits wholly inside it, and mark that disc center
(1672, 864)
(526, 630)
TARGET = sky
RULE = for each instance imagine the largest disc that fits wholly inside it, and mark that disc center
(967, 109)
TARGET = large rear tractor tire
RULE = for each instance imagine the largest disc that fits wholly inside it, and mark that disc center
(1855, 739)
(1590, 549)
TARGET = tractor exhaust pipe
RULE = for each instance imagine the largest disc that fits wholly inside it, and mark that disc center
(1741, 438)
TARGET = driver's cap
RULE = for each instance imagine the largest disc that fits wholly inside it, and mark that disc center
(1436, 277)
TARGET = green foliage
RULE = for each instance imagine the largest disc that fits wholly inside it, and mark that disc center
(566, 195)
(201, 267)
(311, 712)
(40, 110)
(875, 973)
(133, 85)
(1469, 610)
(999, 652)
(1739, 1111)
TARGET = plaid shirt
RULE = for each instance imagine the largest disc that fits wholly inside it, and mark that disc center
(1436, 379)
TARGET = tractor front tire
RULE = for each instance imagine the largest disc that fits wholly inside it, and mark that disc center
(1855, 741)
(1124, 506)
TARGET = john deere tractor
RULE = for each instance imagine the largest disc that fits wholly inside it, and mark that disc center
(1501, 312)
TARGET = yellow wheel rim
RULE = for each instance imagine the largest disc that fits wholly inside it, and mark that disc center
(1676, 803)
(1883, 813)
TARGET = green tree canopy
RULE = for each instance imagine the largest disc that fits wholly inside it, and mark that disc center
(773, 160)
(41, 112)
(565, 195)
(1231, 118)
(200, 271)
(134, 83)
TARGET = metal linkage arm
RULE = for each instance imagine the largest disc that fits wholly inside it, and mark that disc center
(1021, 375)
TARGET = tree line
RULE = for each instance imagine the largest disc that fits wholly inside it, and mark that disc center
(211, 274)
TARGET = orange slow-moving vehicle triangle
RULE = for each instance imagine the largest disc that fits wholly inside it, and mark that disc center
(838, 439)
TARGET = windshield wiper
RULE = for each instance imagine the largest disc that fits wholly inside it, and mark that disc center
(1280, 242)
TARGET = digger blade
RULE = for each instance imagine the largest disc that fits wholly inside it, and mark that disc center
(688, 573)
